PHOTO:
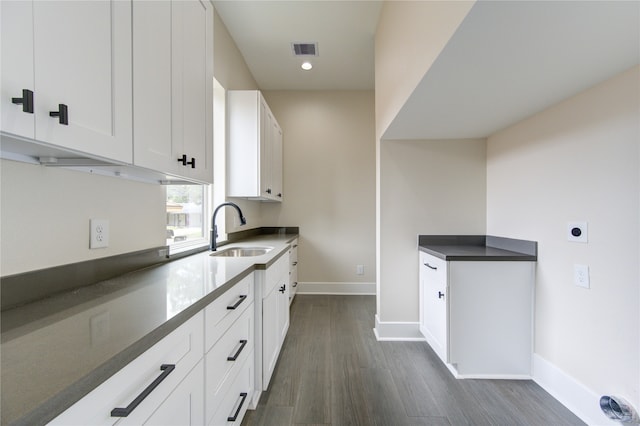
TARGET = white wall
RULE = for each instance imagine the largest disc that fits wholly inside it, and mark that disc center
(427, 187)
(231, 71)
(329, 181)
(45, 216)
(579, 160)
(409, 37)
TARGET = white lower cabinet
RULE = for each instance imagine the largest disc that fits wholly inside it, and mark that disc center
(185, 405)
(478, 315)
(229, 361)
(275, 315)
(175, 361)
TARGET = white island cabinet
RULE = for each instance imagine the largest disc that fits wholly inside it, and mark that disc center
(66, 75)
(478, 315)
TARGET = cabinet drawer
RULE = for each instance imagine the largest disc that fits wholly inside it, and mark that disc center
(182, 348)
(223, 311)
(434, 268)
(277, 274)
(226, 357)
(236, 398)
(294, 253)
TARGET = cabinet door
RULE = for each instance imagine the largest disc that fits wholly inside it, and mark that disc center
(266, 121)
(276, 161)
(82, 53)
(283, 312)
(173, 87)
(17, 66)
(434, 302)
(152, 86)
(270, 335)
(195, 120)
(185, 405)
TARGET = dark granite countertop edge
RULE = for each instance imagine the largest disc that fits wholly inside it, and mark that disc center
(57, 404)
(450, 247)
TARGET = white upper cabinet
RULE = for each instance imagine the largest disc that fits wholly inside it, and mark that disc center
(75, 58)
(255, 148)
(173, 87)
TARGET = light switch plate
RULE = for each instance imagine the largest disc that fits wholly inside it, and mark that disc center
(581, 276)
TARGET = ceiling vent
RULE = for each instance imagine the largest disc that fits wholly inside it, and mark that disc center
(305, 49)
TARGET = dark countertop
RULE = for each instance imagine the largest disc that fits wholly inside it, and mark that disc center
(478, 248)
(50, 359)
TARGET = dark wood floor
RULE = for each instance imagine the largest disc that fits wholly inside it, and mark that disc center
(332, 371)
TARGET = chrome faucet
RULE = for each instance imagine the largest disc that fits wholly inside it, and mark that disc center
(214, 228)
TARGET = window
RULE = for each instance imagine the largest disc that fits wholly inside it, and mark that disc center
(187, 211)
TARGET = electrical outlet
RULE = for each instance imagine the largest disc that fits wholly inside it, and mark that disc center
(581, 275)
(99, 235)
(359, 269)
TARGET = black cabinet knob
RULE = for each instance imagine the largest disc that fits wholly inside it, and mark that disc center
(62, 113)
(26, 100)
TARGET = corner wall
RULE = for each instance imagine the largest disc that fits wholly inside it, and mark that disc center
(427, 187)
(578, 161)
(329, 186)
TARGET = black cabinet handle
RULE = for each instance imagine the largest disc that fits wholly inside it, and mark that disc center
(191, 163)
(295, 284)
(62, 113)
(283, 288)
(26, 100)
(295, 263)
(242, 299)
(440, 295)
(233, 418)
(280, 194)
(124, 412)
(268, 191)
(431, 267)
(183, 160)
(295, 245)
(235, 356)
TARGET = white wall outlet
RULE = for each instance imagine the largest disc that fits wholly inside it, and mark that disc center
(359, 269)
(99, 235)
(577, 232)
(581, 275)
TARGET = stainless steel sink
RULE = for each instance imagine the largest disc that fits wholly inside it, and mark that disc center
(242, 251)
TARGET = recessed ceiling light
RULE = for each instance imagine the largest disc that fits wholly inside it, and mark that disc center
(306, 66)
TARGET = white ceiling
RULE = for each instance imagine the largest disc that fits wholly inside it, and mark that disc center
(511, 59)
(507, 60)
(344, 31)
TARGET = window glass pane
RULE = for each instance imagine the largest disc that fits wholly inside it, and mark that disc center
(186, 207)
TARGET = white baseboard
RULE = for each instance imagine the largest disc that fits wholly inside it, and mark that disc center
(580, 400)
(399, 331)
(337, 288)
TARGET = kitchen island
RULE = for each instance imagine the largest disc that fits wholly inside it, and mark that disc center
(476, 303)
(57, 350)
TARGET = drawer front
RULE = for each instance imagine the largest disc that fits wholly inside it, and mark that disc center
(183, 348)
(294, 253)
(234, 404)
(277, 274)
(433, 267)
(237, 342)
(226, 309)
